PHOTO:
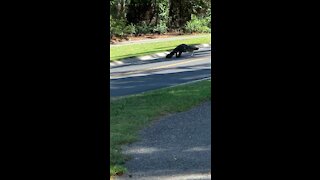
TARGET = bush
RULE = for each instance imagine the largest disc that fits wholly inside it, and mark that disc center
(201, 25)
(160, 28)
(130, 29)
(119, 28)
(143, 28)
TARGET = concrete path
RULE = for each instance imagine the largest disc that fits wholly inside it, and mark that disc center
(176, 147)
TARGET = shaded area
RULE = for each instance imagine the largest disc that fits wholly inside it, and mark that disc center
(175, 147)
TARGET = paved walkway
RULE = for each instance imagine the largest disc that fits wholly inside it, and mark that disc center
(176, 147)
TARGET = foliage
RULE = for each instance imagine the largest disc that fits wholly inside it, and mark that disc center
(130, 29)
(143, 28)
(160, 28)
(201, 25)
(119, 28)
(163, 10)
(128, 17)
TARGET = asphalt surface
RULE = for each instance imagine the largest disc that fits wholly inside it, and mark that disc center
(159, 73)
(175, 147)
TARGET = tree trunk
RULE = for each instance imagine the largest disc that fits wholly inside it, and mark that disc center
(156, 11)
(123, 12)
(118, 9)
(180, 14)
(153, 13)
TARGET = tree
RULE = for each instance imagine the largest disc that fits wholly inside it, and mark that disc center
(157, 15)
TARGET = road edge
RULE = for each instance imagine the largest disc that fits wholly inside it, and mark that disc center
(168, 87)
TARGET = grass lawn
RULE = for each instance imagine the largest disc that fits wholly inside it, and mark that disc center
(128, 115)
(134, 50)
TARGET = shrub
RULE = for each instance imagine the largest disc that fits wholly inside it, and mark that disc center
(160, 28)
(142, 28)
(117, 27)
(130, 29)
(120, 29)
(196, 24)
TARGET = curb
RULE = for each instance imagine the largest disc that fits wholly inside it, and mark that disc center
(136, 60)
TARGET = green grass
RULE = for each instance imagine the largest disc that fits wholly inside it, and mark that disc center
(128, 115)
(134, 50)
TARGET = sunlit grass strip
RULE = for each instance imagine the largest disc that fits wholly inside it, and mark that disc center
(135, 50)
(128, 115)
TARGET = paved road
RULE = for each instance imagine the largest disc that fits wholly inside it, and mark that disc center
(176, 147)
(159, 73)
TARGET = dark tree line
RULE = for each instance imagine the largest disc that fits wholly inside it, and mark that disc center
(158, 16)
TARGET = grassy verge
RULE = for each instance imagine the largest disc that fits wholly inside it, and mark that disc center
(134, 50)
(128, 115)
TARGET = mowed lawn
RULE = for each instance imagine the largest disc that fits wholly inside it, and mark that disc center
(128, 115)
(135, 50)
